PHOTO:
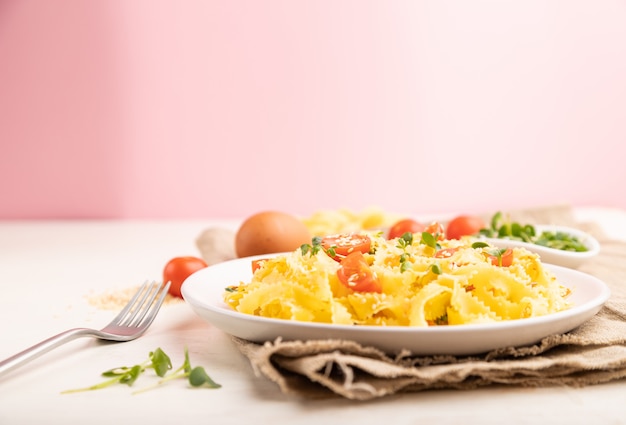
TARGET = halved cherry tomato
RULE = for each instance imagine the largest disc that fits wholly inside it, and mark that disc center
(504, 260)
(257, 264)
(403, 226)
(340, 246)
(464, 225)
(446, 252)
(356, 274)
(178, 269)
(436, 229)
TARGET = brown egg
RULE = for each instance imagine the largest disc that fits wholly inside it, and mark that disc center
(269, 232)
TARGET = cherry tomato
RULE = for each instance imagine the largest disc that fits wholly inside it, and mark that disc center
(257, 264)
(464, 225)
(356, 274)
(436, 229)
(340, 246)
(403, 226)
(446, 252)
(504, 260)
(178, 269)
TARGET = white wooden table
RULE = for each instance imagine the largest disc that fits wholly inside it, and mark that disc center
(48, 269)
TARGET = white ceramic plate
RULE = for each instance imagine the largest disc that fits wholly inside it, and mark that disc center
(556, 256)
(203, 292)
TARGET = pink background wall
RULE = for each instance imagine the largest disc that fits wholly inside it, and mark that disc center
(175, 109)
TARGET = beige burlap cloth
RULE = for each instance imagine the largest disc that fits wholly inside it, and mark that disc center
(591, 354)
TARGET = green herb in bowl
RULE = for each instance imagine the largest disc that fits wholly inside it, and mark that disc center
(502, 228)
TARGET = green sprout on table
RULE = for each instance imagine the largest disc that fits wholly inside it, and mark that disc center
(161, 364)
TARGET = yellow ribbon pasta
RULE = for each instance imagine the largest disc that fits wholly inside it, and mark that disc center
(419, 287)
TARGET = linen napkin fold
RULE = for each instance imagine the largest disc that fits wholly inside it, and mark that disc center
(593, 353)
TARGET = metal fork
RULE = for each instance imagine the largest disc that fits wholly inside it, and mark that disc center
(129, 324)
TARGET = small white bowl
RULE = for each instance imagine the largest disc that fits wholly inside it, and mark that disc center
(555, 256)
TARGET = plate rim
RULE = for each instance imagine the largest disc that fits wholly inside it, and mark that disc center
(216, 307)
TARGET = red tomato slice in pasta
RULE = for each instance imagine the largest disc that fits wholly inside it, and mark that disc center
(503, 260)
(356, 274)
(257, 264)
(340, 246)
(437, 230)
(445, 253)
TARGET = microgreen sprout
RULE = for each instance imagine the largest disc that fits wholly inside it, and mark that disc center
(161, 364)
(313, 248)
(497, 252)
(405, 264)
(429, 240)
(405, 241)
(196, 376)
(494, 252)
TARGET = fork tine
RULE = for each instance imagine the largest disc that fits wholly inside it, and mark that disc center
(135, 310)
(128, 308)
(135, 305)
(142, 309)
(154, 309)
(130, 303)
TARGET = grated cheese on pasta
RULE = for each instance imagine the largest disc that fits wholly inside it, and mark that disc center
(462, 288)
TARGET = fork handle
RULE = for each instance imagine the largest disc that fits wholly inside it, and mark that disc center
(41, 348)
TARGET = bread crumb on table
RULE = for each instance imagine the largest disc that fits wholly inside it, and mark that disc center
(116, 299)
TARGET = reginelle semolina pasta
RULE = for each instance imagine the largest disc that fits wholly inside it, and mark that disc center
(451, 283)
